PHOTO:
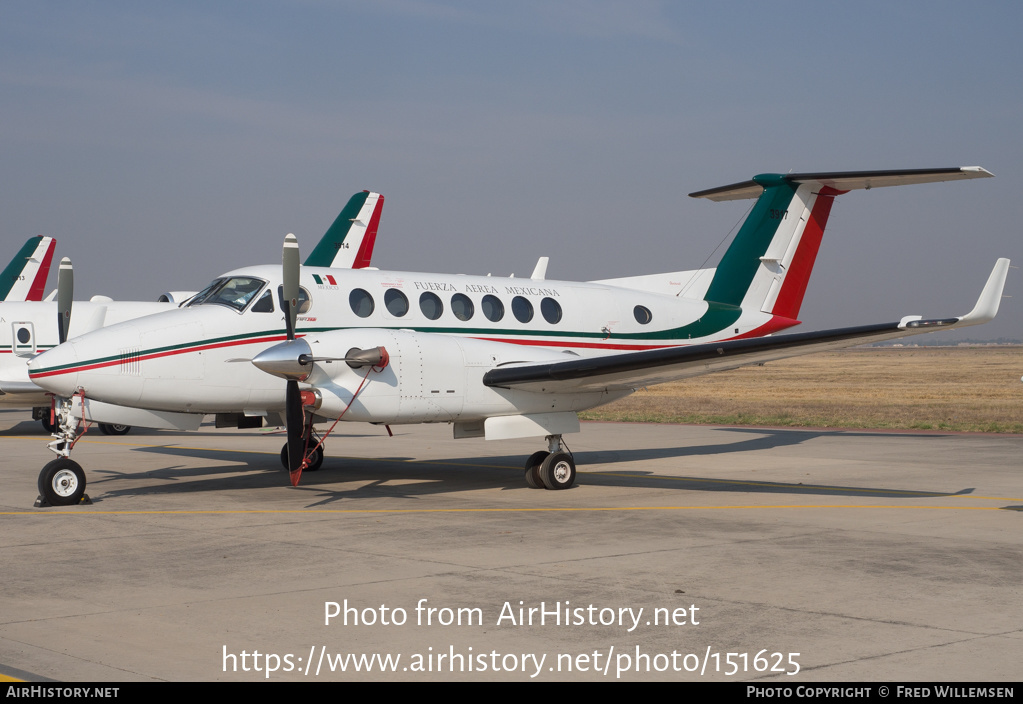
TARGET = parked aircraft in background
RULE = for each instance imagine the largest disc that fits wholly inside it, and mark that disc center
(498, 358)
(26, 329)
(25, 277)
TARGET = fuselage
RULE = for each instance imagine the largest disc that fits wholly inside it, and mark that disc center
(194, 359)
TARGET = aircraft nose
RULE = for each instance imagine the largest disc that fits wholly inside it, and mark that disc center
(56, 370)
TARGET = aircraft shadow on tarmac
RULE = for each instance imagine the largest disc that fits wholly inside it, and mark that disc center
(405, 477)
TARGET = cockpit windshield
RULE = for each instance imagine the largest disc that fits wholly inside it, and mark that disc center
(234, 292)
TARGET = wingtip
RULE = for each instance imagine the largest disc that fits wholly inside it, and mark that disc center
(990, 298)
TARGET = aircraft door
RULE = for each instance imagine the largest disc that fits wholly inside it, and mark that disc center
(23, 339)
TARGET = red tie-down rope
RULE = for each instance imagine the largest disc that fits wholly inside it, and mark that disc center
(81, 394)
(296, 474)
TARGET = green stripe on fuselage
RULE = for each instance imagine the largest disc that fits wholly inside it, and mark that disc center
(739, 264)
(334, 239)
(717, 318)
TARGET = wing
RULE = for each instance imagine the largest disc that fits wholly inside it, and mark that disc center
(637, 369)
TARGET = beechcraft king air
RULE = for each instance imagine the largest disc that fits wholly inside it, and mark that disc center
(29, 328)
(498, 358)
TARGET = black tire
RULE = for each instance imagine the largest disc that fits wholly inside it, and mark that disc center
(316, 461)
(62, 482)
(47, 425)
(533, 470)
(114, 429)
(314, 464)
(558, 471)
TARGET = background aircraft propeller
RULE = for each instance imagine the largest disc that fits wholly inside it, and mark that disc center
(65, 296)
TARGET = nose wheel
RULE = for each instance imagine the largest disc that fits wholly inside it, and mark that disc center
(61, 483)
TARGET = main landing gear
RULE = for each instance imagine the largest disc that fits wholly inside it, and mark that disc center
(554, 469)
(62, 481)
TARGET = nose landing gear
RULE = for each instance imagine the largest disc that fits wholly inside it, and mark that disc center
(62, 481)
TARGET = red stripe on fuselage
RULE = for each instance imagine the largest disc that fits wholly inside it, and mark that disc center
(775, 324)
(158, 355)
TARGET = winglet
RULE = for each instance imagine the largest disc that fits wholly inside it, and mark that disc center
(987, 305)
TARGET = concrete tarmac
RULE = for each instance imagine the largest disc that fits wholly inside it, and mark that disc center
(683, 553)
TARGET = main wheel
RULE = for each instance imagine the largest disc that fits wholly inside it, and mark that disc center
(62, 482)
(114, 429)
(47, 425)
(533, 469)
(558, 471)
(315, 462)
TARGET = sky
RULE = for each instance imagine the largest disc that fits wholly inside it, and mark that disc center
(163, 144)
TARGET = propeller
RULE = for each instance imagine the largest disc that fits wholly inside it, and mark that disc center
(65, 295)
(292, 360)
(294, 415)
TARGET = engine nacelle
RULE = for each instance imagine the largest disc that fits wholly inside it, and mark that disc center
(428, 378)
(178, 297)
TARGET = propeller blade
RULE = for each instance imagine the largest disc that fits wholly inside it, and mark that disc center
(295, 418)
(65, 296)
(290, 279)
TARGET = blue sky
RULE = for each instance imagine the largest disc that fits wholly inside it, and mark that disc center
(163, 144)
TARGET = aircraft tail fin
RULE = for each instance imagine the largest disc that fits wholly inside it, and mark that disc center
(348, 244)
(25, 277)
(768, 264)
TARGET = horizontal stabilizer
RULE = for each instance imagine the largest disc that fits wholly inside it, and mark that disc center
(843, 181)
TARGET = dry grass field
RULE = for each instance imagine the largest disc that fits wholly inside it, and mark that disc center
(940, 388)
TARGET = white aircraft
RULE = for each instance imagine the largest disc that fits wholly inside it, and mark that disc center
(24, 278)
(26, 329)
(496, 357)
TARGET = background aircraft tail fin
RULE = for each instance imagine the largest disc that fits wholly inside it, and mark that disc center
(25, 277)
(767, 267)
(348, 244)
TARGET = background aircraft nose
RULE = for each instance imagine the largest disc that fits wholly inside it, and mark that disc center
(56, 370)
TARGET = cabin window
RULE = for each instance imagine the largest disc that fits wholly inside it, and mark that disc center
(396, 302)
(361, 303)
(492, 308)
(551, 310)
(304, 304)
(643, 314)
(431, 305)
(522, 309)
(462, 306)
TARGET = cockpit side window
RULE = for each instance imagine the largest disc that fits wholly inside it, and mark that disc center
(235, 292)
(265, 304)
